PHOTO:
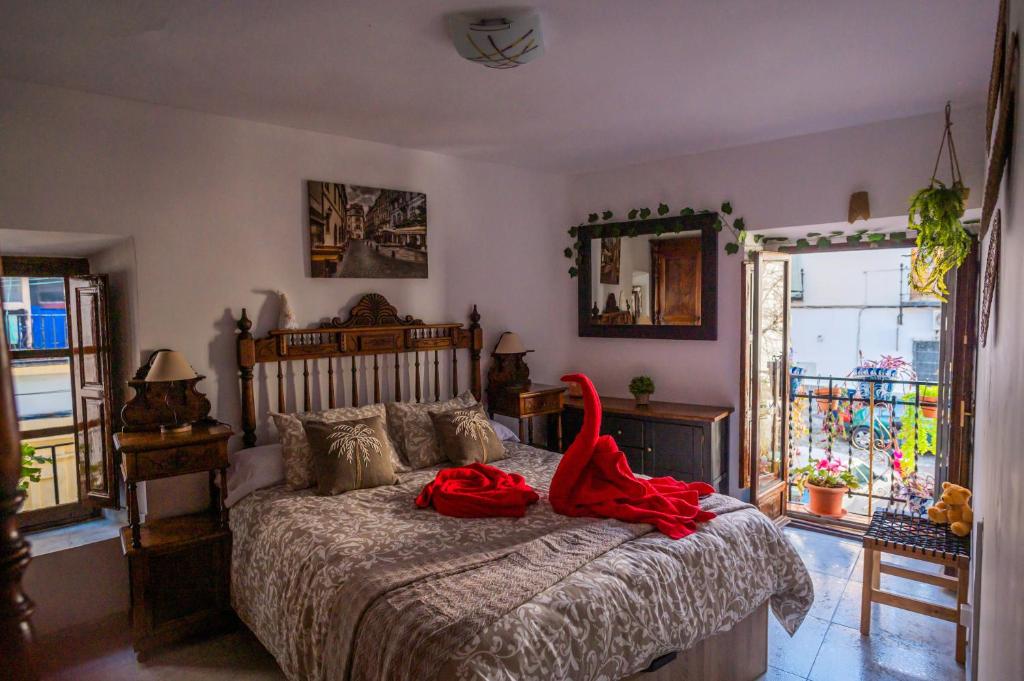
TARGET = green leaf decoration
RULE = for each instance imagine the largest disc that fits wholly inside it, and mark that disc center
(854, 239)
(645, 213)
(823, 242)
(803, 243)
(811, 235)
(592, 217)
(758, 238)
(727, 208)
(837, 232)
(739, 224)
(662, 209)
(774, 239)
(659, 230)
(686, 211)
(861, 231)
(573, 231)
(876, 237)
(573, 271)
(632, 214)
(607, 215)
(897, 236)
(567, 252)
(732, 248)
(719, 225)
(741, 237)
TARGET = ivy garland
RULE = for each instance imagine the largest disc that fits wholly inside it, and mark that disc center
(736, 226)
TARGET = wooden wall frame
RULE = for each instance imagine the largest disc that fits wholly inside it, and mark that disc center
(373, 329)
(706, 330)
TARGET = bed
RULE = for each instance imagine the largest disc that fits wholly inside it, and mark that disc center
(364, 585)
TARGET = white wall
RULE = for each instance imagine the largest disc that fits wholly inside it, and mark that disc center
(999, 432)
(832, 327)
(798, 181)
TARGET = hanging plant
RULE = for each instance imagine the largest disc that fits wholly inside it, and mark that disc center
(936, 212)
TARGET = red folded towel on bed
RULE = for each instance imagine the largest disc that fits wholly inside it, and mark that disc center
(594, 480)
(477, 491)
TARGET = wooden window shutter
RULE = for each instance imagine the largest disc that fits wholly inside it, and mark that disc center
(93, 401)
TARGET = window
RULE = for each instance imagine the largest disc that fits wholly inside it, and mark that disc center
(55, 419)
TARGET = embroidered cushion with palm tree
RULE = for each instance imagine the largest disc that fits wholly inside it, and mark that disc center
(349, 455)
(466, 436)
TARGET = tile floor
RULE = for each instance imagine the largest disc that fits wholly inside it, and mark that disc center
(903, 646)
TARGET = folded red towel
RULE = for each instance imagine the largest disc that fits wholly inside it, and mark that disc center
(594, 480)
(477, 491)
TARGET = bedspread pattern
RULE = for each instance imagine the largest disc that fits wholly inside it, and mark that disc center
(296, 558)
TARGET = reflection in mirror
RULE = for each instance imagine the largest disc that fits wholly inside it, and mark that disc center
(647, 280)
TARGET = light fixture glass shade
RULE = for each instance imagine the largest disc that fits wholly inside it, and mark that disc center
(510, 344)
(505, 41)
(170, 365)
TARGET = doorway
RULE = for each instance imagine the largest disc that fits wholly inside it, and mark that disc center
(843, 369)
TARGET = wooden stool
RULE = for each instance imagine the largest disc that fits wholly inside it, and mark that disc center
(918, 538)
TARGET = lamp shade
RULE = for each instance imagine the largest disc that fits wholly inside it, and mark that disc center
(498, 42)
(510, 344)
(170, 365)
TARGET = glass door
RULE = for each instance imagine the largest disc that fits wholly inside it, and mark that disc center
(765, 380)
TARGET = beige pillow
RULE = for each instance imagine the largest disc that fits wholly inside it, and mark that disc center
(349, 455)
(466, 436)
(413, 433)
(298, 458)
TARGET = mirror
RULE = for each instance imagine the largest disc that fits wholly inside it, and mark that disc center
(649, 278)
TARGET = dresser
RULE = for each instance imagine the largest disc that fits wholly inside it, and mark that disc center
(688, 442)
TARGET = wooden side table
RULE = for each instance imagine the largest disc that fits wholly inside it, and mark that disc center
(537, 399)
(918, 538)
(179, 567)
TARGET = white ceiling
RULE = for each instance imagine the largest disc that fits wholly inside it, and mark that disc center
(621, 81)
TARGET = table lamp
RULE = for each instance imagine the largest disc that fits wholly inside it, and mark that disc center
(170, 366)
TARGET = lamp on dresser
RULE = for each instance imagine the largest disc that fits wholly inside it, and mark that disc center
(178, 566)
(511, 393)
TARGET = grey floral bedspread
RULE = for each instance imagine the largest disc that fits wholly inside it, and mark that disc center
(297, 556)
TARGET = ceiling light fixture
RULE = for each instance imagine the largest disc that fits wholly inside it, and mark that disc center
(498, 42)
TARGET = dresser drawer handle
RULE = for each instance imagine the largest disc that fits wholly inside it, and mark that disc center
(618, 432)
(649, 449)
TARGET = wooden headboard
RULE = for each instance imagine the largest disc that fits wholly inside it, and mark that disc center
(373, 329)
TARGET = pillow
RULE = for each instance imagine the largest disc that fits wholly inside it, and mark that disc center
(252, 469)
(504, 433)
(413, 433)
(349, 455)
(298, 459)
(466, 436)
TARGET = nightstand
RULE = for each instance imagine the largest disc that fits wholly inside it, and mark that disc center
(179, 567)
(537, 399)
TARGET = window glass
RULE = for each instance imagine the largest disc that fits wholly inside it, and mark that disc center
(35, 313)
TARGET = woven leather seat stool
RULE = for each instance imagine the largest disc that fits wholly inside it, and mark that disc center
(914, 537)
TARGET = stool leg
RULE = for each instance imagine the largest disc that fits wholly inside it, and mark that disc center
(963, 577)
(865, 599)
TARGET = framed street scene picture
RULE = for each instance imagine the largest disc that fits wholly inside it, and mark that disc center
(366, 232)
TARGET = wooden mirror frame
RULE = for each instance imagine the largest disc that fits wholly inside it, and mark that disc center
(706, 330)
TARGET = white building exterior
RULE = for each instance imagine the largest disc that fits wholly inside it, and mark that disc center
(853, 304)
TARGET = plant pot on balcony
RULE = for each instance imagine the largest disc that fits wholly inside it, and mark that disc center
(826, 501)
(930, 407)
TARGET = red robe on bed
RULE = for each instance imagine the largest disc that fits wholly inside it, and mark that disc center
(594, 480)
(477, 491)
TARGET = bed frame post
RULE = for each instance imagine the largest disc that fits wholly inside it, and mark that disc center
(476, 343)
(246, 361)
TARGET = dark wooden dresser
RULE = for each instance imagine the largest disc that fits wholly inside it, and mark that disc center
(685, 441)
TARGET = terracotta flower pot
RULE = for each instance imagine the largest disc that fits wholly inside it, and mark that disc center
(826, 501)
(642, 399)
(929, 407)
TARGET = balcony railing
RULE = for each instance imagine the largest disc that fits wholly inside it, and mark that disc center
(58, 482)
(881, 427)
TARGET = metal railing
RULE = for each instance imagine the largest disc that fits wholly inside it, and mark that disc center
(47, 331)
(884, 428)
(49, 451)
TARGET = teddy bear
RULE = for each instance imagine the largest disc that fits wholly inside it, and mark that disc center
(954, 508)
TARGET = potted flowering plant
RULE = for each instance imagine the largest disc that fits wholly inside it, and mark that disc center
(826, 480)
(642, 387)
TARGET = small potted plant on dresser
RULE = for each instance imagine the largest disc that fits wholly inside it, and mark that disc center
(642, 388)
(826, 481)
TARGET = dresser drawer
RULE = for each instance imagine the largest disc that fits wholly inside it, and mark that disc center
(162, 463)
(549, 403)
(627, 432)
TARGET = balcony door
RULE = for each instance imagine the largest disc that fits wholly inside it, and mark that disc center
(765, 381)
